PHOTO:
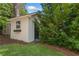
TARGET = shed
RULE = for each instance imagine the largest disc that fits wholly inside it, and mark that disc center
(22, 28)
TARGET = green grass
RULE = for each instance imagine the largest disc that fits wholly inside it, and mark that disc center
(28, 50)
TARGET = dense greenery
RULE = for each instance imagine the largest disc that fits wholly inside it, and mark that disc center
(7, 11)
(59, 25)
(28, 50)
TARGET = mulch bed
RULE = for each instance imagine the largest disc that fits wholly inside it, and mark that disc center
(4, 40)
(67, 52)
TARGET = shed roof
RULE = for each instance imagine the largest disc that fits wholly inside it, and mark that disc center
(28, 15)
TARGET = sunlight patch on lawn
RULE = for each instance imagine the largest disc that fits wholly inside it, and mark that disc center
(1, 50)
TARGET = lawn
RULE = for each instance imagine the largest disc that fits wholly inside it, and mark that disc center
(28, 50)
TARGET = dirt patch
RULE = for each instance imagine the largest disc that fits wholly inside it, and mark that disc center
(4, 40)
(67, 52)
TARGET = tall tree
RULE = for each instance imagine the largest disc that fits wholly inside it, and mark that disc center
(19, 9)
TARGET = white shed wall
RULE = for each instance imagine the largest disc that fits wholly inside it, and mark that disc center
(27, 29)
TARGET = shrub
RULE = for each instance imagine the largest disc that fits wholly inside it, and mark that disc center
(59, 25)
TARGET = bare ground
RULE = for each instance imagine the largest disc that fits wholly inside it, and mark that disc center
(6, 40)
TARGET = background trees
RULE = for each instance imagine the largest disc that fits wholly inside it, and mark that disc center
(59, 25)
(7, 11)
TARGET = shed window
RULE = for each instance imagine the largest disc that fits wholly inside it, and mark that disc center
(18, 23)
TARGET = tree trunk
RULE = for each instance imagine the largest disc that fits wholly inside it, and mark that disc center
(16, 5)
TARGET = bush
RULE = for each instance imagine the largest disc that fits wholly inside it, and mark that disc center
(60, 28)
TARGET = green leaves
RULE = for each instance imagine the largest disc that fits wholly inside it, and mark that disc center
(60, 25)
(22, 9)
(7, 11)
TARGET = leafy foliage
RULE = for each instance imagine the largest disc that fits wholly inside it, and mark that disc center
(59, 25)
(7, 10)
(22, 9)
